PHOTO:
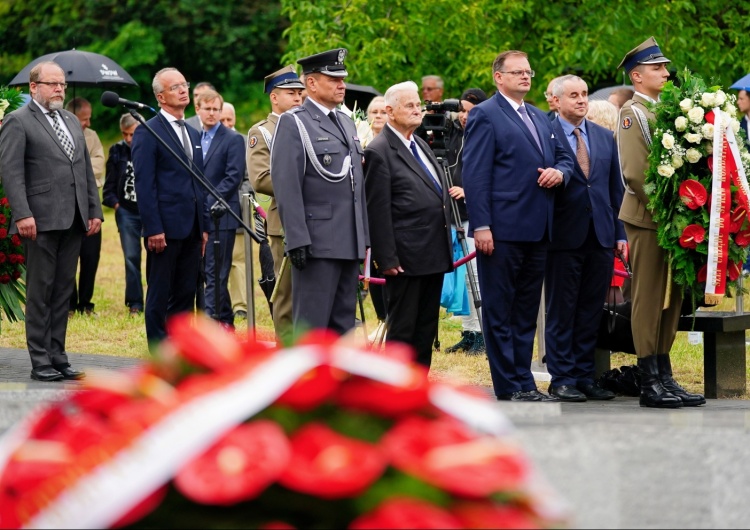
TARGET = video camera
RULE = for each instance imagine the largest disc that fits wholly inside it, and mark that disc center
(436, 125)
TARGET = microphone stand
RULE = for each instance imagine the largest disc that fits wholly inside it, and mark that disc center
(218, 210)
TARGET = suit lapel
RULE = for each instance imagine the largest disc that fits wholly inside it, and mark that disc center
(42, 119)
(176, 142)
(513, 116)
(324, 121)
(407, 157)
(558, 130)
(218, 138)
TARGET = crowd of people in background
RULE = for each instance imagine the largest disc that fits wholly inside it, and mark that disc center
(538, 195)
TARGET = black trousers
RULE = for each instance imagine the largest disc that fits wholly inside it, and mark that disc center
(91, 249)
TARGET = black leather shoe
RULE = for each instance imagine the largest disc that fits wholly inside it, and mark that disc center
(68, 372)
(46, 373)
(530, 395)
(567, 393)
(653, 393)
(594, 391)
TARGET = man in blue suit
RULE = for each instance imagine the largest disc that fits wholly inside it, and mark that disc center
(579, 264)
(512, 165)
(171, 204)
(224, 167)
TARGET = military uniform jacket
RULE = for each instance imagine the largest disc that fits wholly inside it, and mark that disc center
(633, 150)
(259, 168)
(331, 217)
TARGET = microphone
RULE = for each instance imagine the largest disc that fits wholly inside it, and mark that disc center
(112, 99)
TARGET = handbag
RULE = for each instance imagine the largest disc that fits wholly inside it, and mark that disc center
(615, 328)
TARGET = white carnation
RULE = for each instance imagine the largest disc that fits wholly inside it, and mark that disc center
(695, 114)
(708, 99)
(686, 104)
(719, 98)
(707, 131)
(665, 171)
(693, 155)
(667, 141)
(676, 161)
(681, 123)
(693, 138)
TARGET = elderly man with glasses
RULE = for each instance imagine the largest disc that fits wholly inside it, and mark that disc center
(171, 204)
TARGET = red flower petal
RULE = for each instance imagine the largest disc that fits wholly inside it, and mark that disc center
(743, 238)
(329, 465)
(693, 194)
(490, 515)
(204, 341)
(406, 513)
(386, 400)
(445, 453)
(737, 219)
(143, 508)
(312, 389)
(692, 235)
(702, 274)
(734, 270)
(238, 467)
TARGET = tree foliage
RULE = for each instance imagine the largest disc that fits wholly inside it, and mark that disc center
(395, 40)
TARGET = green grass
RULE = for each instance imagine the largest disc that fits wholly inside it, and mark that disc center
(113, 332)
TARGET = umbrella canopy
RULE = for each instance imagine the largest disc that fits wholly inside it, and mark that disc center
(603, 93)
(83, 69)
(742, 84)
(359, 94)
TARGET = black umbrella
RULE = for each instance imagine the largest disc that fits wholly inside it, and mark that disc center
(267, 280)
(84, 69)
(359, 95)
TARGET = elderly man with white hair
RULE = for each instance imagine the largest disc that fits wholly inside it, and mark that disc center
(409, 214)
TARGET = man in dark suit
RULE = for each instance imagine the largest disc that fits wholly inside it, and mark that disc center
(512, 164)
(224, 167)
(409, 214)
(47, 175)
(743, 102)
(579, 264)
(316, 168)
(171, 204)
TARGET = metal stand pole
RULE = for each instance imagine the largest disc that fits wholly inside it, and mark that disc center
(249, 266)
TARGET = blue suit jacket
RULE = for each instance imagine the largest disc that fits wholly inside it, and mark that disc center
(169, 198)
(224, 167)
(599, 196)
(500, 172)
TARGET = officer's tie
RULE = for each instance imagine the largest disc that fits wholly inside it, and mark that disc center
(581, 153)
(185, 139)
(64, 140)
(529, 124)
(413, 147)
(335, 120)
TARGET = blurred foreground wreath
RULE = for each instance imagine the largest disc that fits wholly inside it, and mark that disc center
(220, 433)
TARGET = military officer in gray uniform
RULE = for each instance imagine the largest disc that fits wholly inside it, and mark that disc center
(316, 169)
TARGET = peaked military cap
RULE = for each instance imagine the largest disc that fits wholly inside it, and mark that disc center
(647, 52)
(330, 63)
(285, 78)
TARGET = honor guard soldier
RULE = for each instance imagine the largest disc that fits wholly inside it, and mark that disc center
(655, 317)
(284, 89)
(316, 167)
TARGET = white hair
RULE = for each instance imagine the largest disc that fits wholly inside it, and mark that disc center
(393, 94)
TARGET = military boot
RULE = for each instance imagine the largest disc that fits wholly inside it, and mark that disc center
(465, 344)
(671, 386)
(478, 348)
(653, 393)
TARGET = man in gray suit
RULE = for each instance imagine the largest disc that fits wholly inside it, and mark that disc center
(316, 169)
(47, 174)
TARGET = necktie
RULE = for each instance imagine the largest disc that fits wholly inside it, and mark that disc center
(413, 147)
(335, 120)
(64, 140)
(185, 139)
(529, 125)
(581, 154)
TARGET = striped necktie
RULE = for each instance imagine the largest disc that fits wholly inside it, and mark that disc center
(64, 140)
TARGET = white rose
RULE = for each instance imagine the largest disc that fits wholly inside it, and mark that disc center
(709, 148)
(681, 123)
(693, 155)
(745, 156)
(686, 104)
(730, 109)
(667, 141)
(708, 99)
(719, 98)
(693, 138)
(665, 171)
(735, 125)
(708, 131)
(2, 114)
(676, 161)
(695, 114)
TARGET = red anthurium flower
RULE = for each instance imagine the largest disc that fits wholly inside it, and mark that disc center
(406, 513)
(143, 508)
(709, 116)
(693, 194)
(702, 274)
(238, 467)
(743, 238)
(383, 399)
(734, 270)
(276, 525)
(32, 463)
(204, 341)
(490, 515)
(692, 235)
(737, 219)
(312, 389)
(329, 465)
(445, 453)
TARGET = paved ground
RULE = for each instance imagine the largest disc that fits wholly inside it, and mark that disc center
(619, 466)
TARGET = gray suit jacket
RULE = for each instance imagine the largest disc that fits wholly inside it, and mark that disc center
(330, 217)
(40, 180)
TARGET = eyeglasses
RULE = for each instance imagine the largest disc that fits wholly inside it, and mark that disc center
(519, 73)
(175, 88)
(430, 88)
(548, 95)
(53, 85)
(210, 109)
